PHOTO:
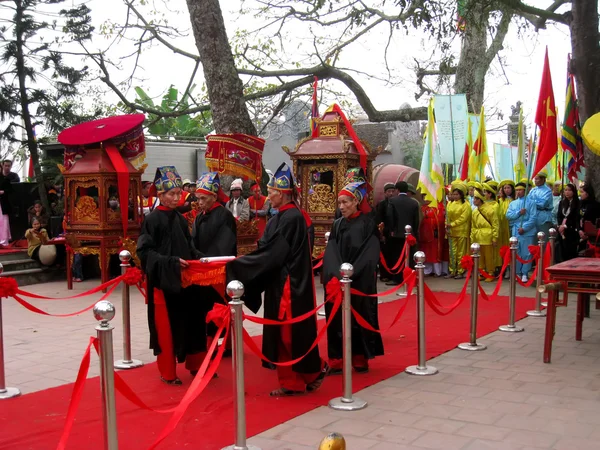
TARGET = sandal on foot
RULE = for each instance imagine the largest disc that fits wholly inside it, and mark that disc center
(315, 385)
(175, 382)
(284, 392)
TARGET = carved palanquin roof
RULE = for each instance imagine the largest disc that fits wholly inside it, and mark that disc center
(331, 138)
(94, 162)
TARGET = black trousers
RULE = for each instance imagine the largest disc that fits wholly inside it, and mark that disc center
(395, 246)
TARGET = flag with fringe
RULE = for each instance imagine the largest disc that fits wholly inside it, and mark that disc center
(571, 141)
(479, 156)
(431, 177)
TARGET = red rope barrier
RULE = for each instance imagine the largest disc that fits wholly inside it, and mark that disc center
(435, 304)
(334, 295)
(494, 295)
(36, 310)
(201, 380)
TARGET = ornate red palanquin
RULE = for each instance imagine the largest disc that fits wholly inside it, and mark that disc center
(320, 165)
(102, 188)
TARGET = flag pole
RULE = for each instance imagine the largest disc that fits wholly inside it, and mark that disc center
(512, 161)
(452, 134)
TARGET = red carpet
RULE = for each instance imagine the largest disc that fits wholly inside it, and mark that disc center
(35, 421)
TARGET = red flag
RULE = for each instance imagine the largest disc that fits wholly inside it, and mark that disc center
(545, 118)
(30, 172)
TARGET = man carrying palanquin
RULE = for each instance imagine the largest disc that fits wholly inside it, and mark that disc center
(175, 316)
(214, 234)
(281, 267)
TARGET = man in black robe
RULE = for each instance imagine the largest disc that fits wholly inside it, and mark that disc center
(384, 224)
(214, 234)
(281, 268)
(354, 239)
(175, 315)
(405, 211)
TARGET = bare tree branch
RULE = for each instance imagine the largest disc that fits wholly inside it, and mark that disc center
(498, 40)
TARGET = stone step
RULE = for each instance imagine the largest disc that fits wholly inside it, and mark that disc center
(20, 264)
(21, 254)
(37, 275)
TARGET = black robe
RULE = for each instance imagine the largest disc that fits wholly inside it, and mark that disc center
(214, 234)
(283, 251)
(165, 239)
(354, 241)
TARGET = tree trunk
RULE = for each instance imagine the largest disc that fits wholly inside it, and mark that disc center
(24, 100)
(473, 62)
(586, 68)
(225, 89)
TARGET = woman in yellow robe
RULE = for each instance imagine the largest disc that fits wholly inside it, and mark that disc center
(506, 194)
(485, 228)
(458, 223)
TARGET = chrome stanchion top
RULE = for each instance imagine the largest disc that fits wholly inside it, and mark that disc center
(124, 256)
(104, 311)
(235, 289)
(346, 270)
(407, 229)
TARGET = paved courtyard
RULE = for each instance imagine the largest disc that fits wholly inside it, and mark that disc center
(501, 398)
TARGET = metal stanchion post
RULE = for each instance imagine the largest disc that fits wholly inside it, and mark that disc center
(235, 289)
(537, 312)
(407, 233)
(511, 327)
(472, 345)
(322, 312)
(421, 368)
(552, 245)
(5, 392)
(126, 362)
(347, 402)
(104, 311)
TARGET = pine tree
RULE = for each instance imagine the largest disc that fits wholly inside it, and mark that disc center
(37, 84)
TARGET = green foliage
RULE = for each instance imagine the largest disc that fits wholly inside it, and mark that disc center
(179, 126)
(35, 76)
(413, 154)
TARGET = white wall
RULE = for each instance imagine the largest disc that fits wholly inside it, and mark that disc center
(187, 158)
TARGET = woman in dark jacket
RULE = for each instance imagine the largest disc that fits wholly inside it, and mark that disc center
(568, 223)
(589, 211)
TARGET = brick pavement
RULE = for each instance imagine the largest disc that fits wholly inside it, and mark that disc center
(501, 398)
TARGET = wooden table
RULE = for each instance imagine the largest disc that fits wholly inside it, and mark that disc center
(579, 275)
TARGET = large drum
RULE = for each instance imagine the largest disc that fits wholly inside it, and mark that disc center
(47, 254)
(392, 173)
